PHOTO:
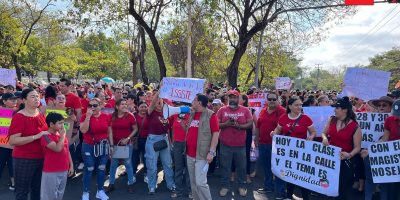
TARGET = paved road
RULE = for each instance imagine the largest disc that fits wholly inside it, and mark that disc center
(74, 190)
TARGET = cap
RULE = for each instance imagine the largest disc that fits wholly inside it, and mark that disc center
(7, 96)
(18, 94)
(375, 102)
(217, 101)
(343, 103)
(234, 92)
(396, 108)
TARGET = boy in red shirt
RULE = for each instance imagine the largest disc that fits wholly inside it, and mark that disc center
(57, 159)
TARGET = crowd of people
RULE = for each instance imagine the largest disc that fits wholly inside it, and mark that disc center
(65, 127)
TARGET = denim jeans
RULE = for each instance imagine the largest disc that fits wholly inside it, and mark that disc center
(138, 154)
(91, 162)
(181, 170)
(265, 151)
(128, 167)
(151, 161)
(238, 154)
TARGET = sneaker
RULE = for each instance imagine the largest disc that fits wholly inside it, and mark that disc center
(145, 179)
(130, 189)
(11, 187)
(101, 195)
(190, 196)
(242, 192)
(248, 180)
(152, 191)
(80, 166)
(110, 188)
(85, 196)
(134, 180)
(264, 190)
(252, 175)
(223, 192)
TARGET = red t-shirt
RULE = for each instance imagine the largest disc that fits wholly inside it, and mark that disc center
(301, 128)
(342, 138)
(143, 131)
(156, 127)
(72, 101)
(110, 103)
(194, 131)
(231, 136)
(98, 128)
(85, 105)
(28, 126)
(392, 124)
(55, 161)
(122, 127)
(178, 133)
(266, 123)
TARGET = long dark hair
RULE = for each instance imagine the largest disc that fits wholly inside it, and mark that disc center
(50, 92)
(245, 100)
(290, 102)
(24, 95)
(115, 113)
(350, 115)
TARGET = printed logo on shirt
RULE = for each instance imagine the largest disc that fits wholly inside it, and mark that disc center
(291, 124)
(195, 123)
(234, 116)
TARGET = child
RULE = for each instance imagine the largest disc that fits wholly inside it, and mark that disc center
(57, 159)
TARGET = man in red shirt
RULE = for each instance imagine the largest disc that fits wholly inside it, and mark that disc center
(266, 123)
(202, 139)
(233, 121)
(117, 96)
(72, 101)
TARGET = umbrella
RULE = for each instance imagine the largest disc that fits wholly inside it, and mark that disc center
(108, 79)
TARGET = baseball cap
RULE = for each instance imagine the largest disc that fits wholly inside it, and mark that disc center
(396, 108)
(7, 96)
(217, 101)
(18, 94)
(343, 103)
(234, 92)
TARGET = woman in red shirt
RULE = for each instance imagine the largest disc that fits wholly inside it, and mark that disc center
(26, 129)
(295, 124)
(95, 147)
(123, 129)
(343, 131)
(139, 149)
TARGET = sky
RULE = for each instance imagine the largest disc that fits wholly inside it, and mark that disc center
(372, 30)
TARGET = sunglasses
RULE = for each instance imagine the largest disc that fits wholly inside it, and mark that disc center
(382, 105)
(124, 93)
(93, 105)
(60, 98)
(272, 99)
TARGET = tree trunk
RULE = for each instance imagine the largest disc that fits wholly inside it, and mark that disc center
(257, 70)
(134, 60)
(49, 75)
(232, 71)
(17, 66)
(142, 53)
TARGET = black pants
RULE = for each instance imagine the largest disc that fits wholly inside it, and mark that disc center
(28, 176)
(346, 179)
(213, 164)
(359, 169)
(290, 189)
(181, 174)
(6, 159)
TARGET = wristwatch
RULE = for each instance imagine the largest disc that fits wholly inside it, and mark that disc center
(213, 153)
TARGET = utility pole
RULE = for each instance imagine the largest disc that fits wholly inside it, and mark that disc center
(318, 75)
(189, 42)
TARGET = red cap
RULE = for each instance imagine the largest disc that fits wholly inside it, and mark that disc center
(233, 92)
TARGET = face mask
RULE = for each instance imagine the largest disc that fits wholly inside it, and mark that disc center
(91, 95)
(233, 104)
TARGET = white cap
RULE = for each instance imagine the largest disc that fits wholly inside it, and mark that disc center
(217, 101)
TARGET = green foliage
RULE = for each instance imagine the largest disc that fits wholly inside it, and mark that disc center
(388, 61)
(10, 33)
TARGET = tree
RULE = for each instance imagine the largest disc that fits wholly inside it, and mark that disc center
(10, 32)
(387, 61)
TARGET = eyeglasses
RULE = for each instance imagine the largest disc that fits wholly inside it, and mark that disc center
(124, 93)
(272, 99)
(60, 98)
(93, 105)
(382, 105)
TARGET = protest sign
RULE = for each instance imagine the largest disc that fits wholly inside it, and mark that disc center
(7, 77)
(283, 83)
(181, 89)
(5, 122)
(357, 82)
(308, 164)
(319, 115)
(257, 102)
(384, 158)
(371, 125)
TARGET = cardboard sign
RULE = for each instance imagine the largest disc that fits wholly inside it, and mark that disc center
(384, 159)
(7, 77)
(181, 89)
(257, 102)
(319, 115)
(308, 164)
(283, 83)
(371, 125)
(5, 122)
(357, 83)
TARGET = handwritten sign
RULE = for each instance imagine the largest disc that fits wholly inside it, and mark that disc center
(371, 125)
(5, 122)
(181, 89)
(283, 83)
(319, 115)
(257, 102)
(384, 160)
(7, 77)
(357, 83)
(308, 164)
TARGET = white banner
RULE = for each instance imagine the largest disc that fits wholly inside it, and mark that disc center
(283, 83)
(308, 164)
(257, 102)
(7, 77)
(385, 161)
(320, 116)
(371, 125)
(181, 89)
(357, 82)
